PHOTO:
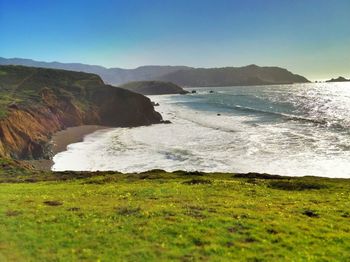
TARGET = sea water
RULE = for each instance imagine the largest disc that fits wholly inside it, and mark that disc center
(295, 130)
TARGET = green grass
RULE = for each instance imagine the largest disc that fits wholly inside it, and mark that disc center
(157, 216)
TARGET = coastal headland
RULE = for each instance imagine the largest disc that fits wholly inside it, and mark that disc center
(154, 215)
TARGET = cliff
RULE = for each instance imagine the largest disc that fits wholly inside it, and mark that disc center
(153, 88)
(234, 76)
(36, 102)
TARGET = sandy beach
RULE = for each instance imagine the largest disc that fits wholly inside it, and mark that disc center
(62, 139)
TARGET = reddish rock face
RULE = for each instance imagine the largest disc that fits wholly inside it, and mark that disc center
(60, 102)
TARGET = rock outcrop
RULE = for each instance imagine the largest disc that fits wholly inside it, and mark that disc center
(37, 102)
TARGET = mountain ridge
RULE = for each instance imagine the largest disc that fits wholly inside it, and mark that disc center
(338, 79)
(234, 76)
(113, 75)
(180, 75)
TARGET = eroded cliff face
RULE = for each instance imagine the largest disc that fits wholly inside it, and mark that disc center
(26, 129)
(29, 124)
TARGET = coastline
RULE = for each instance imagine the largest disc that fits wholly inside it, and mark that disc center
(60, 140)
(199, 140)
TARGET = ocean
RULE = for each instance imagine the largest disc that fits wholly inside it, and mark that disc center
(294, 130)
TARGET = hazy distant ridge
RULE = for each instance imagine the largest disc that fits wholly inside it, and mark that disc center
(181, 75)
(115, 76)
(233, 76)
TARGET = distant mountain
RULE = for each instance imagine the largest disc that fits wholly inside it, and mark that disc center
(114, 76)
(233, 76)
(339, 79)
(153, 88)
(180, 75)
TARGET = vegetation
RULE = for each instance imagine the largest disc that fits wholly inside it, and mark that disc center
(21, 86)
(157, 216)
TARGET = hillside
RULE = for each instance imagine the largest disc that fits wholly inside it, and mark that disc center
(153, 88)
(233, 76)
(180, 75)
(36, 102)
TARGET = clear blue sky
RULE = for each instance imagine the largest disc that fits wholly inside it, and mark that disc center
(310, 37)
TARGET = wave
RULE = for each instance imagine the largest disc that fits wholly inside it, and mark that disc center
(199, 139)
(320, 122)
(227, 123)
(324, 107)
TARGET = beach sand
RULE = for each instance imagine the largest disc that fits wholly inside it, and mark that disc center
(61, 140)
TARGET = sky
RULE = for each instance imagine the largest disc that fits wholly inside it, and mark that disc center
(308, 37)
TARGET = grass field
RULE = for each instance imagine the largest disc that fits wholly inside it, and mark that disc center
(157, 216)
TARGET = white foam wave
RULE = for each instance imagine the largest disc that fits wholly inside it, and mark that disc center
(198, 140)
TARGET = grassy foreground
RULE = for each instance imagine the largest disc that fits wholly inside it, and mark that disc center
(157, 216)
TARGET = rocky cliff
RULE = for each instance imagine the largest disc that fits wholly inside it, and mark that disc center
(36, 102)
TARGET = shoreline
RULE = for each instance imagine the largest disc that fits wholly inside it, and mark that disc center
(60, 141)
